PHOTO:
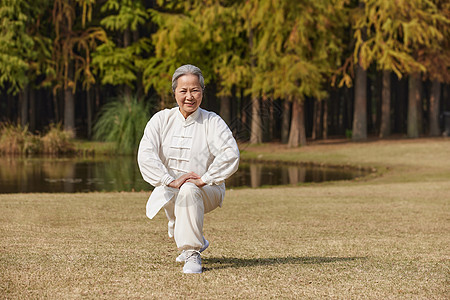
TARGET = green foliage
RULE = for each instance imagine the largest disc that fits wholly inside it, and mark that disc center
(120, 65)
(129, 15)
(15, 139)
(24, 52)
(116, 65)
(122, 121)
(57, 141)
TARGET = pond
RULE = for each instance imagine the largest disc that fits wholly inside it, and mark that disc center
(121, 173)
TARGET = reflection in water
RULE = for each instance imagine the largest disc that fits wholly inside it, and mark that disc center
(255, 175)
(69, 175)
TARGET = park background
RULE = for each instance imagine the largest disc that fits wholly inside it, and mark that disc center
(278, 71)
(357, 84)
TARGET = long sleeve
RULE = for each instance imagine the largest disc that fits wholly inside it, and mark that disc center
(224, 148)
(152, 168)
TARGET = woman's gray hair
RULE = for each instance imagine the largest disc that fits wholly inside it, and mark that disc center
(187, 69)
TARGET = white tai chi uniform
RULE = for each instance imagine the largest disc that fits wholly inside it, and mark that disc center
(172, 146)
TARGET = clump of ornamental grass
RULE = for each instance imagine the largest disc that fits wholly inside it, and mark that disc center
(15, 139)
(122, 121)
(57, 141)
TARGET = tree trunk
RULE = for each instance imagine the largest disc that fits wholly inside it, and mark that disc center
(400, 105)
(256, 128)
(89, 106)
(435, 98)
(244, 125)
(302, 124)
(23, 98)
(385, 128)
(348, 96)
(297, 135)
(56, 107)
(69, 111)
(359, 130)
(32, 116)
(413, 99)
(10, 107)
(325, 119)
(265, 119)
(285, 118)
(271, 120)
(420, 109)
(317, 116)
(225, 109)
(69, 104)
(255, 175)
(369, 103)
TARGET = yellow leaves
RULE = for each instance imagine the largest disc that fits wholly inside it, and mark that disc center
(392, 33)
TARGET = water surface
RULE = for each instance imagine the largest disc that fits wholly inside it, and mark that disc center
(121, 173)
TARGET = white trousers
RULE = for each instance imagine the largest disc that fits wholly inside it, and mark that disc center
(186, 210)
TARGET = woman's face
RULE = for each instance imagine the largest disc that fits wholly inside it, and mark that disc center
(188, 94)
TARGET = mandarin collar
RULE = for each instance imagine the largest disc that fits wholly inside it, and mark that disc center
(190, 119)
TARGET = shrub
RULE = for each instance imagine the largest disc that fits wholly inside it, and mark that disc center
(57, 141)
(15, 139)
(122, 121)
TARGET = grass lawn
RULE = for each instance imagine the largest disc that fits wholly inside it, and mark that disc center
(386, 236)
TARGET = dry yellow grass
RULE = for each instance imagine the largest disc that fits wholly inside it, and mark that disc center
(384, 237)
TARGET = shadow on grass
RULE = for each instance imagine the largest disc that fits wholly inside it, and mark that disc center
(232, 262)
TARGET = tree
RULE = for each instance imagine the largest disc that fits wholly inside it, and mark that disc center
(385, 127)
(16, 45)
(176, 42)
(427, 34)
(359, 128)
(296, 51)
(227, 48)
(117, 65)
(436, 59)
(71, 53)
(256, 129)
(393, 34)
(24, 52)
(209, 34)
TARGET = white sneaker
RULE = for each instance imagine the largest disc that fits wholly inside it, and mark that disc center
(193, 263)
(170, 228)
(182, 256)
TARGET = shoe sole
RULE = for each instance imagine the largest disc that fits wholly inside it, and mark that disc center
(191, 272)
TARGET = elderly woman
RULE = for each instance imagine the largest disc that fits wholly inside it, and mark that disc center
(186, 153)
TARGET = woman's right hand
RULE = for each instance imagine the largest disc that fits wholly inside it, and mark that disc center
(177, 183)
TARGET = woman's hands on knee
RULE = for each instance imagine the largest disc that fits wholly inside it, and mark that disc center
(188, 177)
(197, 181)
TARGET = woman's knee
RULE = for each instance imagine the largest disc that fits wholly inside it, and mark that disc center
(190, 190)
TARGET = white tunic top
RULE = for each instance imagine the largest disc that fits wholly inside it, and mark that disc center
(172, 146)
